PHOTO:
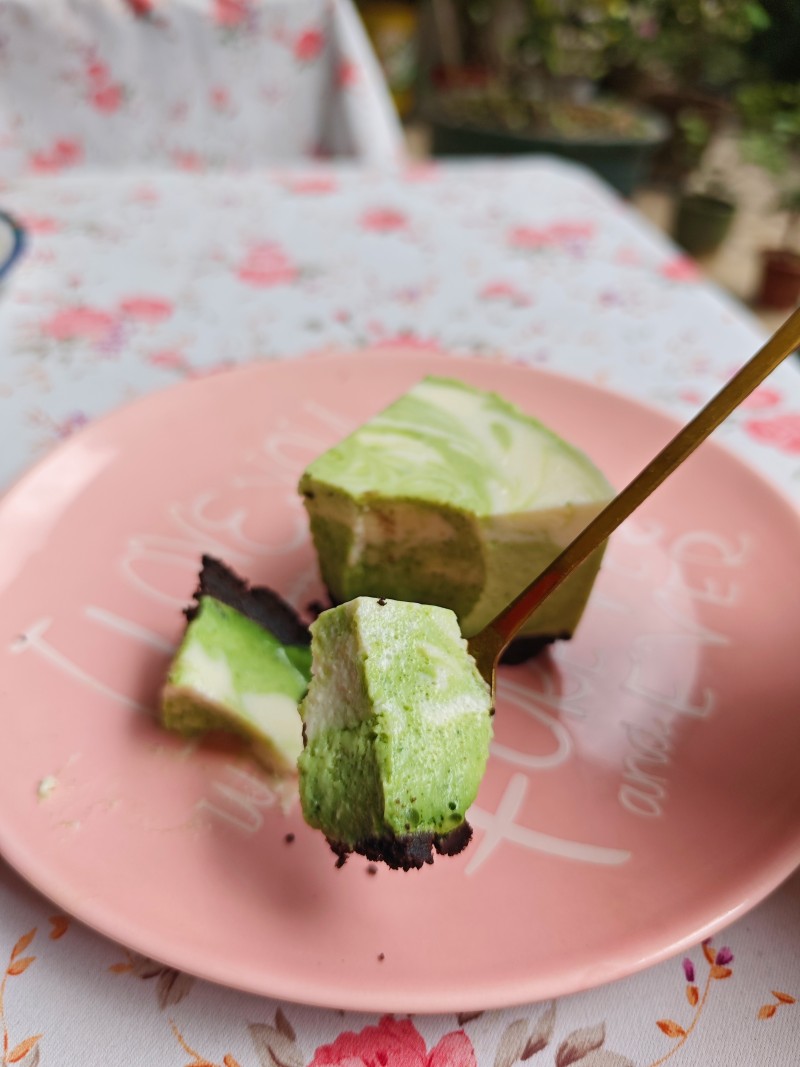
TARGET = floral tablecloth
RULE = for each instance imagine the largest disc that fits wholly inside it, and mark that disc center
(134, 282)
(189, 84)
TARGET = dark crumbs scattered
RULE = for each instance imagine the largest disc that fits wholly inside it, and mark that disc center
(289, 838)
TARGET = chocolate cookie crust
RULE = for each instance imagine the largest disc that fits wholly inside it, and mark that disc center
(256, 602)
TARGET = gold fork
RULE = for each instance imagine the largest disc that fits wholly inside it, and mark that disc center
(489, 643)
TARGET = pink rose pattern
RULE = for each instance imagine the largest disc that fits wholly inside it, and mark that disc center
(394, 1043)
(563, 234)
(232, 12)
(78, 323)
(152, 309)
(309, 45)
(257, 56)
(471, 259)
(266, 264)
(780, 431)
(63, 153)
(384, 220)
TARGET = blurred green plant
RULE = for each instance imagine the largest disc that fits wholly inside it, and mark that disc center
(533, 57)
(769, 113)
(770, 117)
(689, 42)
(699, 43)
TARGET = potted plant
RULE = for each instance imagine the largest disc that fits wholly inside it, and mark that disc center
(511, 76)
(688, 58)
(704, 217)
(706, 206)
(770, 116)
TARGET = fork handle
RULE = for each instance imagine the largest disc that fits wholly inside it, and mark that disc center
(782, 343)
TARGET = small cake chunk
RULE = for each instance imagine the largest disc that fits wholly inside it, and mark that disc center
(397, 721)
(453, 496)
(242, 667)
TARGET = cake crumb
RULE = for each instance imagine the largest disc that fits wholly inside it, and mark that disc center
(382, 602)
(289, 838)
(46, 786)
(372, 870)
(381, 957)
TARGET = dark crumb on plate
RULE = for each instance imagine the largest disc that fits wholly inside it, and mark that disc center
(381, 957)
(372, 870)
(256, 602)
(382, 602)
(407, 851)
(289, 838)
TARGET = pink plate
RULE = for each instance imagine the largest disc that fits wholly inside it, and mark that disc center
(643, 789)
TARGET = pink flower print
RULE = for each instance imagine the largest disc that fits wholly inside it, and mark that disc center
(98, 73)
(556, 235)
(528, 237)
(764, 397)
(64, 153)
(68, 152)
(394, 1043)
(107, 99)
(148, 309)
(688, 969)
(346, 74)
(781, 431)
(266, 264)
(187, 161)
(312, 185)
(140, 8)
(80, 322)
(104, 95)
(505, 291)
(384, 220)
(41, 224)
(169, 359)
(680, 269)
(231, 12)
(219, 98)
(308, 45)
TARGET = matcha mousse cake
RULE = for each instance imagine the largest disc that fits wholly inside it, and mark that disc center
(397, 724)
(242, 667)
(453, 496)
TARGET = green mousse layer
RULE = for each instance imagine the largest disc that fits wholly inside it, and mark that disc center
(231, 674)
(453, 496)
(397, 721)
